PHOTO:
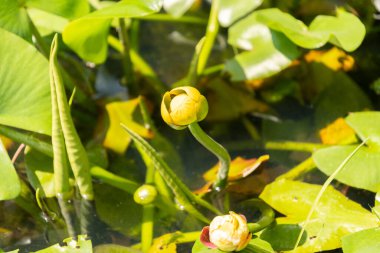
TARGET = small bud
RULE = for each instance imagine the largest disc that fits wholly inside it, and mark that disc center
(227, 233)
(145, 194)
(182, 106)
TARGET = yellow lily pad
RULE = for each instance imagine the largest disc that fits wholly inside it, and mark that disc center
(338, 132)
(117, 139)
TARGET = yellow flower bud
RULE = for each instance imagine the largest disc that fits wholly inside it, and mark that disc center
(229, 232)
(182, 106)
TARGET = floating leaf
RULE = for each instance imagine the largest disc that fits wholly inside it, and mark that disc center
(365, 241)
(70, 245)
(113, 248)
(333, 58)
(283, 236)
(117, 138)
(9, 184)
(24, 85)
(337, 132)
(361, 171)
(239, 168)
(230, 11)
(165, 244)
(87, 36)
(177, 8)
(334, 217)
(366, 125)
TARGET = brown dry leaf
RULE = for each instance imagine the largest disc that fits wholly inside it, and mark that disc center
(117, 138)
(334, 59)
(338, 132)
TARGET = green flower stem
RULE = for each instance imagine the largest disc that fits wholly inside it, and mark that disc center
(218, 150)
(141, 66)
(211, 33)
(295, 146)
(27, 138)
(299, 170)
(127, 62)
(168, 18)
(266, 218)
(114, 180)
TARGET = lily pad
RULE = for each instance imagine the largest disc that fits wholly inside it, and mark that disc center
(230, 11)
(24, 85)
(334, 217)
(366, 125)
(177, 8)
(365, 241)
(9, 184)
(70, 245)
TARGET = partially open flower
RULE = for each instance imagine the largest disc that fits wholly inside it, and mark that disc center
(182, 106)
(227, 233)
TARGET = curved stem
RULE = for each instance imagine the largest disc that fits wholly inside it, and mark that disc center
(266, 218)
(218, 150)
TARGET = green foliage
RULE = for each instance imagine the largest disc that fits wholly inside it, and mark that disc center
(365, 241)
(10, 184)
(282, 236)
(87, 36)
(177, 8)
(24, 86)
(256, 245)
(70, 245)
(231, 11)
(334, 217)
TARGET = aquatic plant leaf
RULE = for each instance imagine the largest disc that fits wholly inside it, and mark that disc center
(365, 241)
(256, 245)
(366, 125)
(164, 244)
(239, 168)
(69, 9)
(282, 236)
(270, 51)
(70, 245)
(9, 184)
(39, 169)
(177, 8)
(15, 19)
(338, 132)
(87, 36)
(362, 171)
(113, 248)
(24, 85)
(117, 138)
(230, 11)
(334, 58)
(334, 217)
(47, 22)
(345, 30)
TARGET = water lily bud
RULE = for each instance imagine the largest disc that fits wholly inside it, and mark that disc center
(145, 194)
(228, 232)
(182, 106)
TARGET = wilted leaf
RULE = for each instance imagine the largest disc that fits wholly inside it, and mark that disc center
(239, 168)
(337, 132)
(24, 85)
(123, 112)
(334, 217)
(365, 241)
(9, 184)
(334, 59)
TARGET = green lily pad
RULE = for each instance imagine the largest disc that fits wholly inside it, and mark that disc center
(361, 171)
(334, 217)
(230, 11)
(24, 85)
(87, 36)
(366, 125)
(365, 241)
(9, 184)
(69, 245)
(283, 236)
(177, 8)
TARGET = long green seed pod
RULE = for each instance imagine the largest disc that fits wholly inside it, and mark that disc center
(75, 150)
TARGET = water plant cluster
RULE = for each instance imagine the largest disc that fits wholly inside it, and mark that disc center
(147, 126)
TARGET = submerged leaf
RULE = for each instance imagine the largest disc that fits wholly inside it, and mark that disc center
(117, 138)
(334, 217)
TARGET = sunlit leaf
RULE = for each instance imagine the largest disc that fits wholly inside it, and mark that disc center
(24, 85)
(69, 9)
(365, 241)
(70, 245)
(6, 142)
(177, 8)
(47, 22)
(366, 125)
(87, 36)
(113, 248)
(123, 112)
(164, 244)
(334, 217)
(239, 168)
(333, 58)
(337, 132)
(14, 19)
(361, 171)
(9, 184)
(230, 11)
